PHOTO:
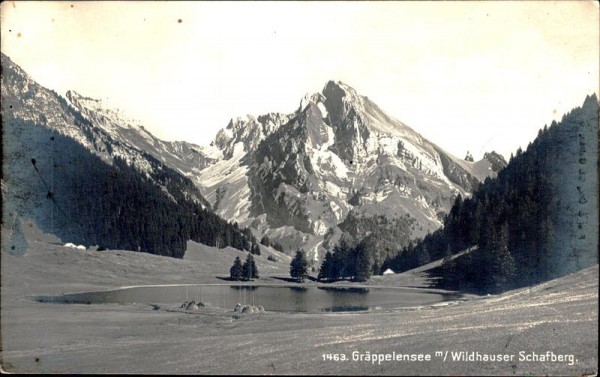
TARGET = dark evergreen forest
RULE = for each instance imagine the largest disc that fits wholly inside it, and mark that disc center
(83, 199)
(511, 220)
(352, 262)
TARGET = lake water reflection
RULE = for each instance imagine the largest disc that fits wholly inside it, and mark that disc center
(272, 298)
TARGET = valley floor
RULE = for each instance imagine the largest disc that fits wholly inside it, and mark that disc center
(560, 316)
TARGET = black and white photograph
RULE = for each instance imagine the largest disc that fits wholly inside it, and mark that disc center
(300, 188)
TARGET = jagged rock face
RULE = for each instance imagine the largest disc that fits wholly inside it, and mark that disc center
(456, 174)
(496, 160)
(350, 132)
(338, 153)
(186, 157)
(249, 131)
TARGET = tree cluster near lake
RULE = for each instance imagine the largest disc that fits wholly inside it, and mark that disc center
(381, 235)
(347, 262)
(366, 243)
(246, 271)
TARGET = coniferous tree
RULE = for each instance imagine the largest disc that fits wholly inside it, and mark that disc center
(502, 264)
(299, 266)
(376, 269)
(265, 241)
(249, 270)
(236, 271)
(448, 254)
(255, 249)
(326, 270)
(362, 271)
(423, 255)
(344, 265)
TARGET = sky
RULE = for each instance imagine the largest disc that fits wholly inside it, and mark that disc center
(475, 76)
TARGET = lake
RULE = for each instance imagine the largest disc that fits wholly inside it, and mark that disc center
(272, 298)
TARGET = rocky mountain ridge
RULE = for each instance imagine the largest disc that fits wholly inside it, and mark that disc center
(296, 177)
(292, 177)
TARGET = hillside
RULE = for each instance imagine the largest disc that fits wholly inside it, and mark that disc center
(79, 181)
(537, 220)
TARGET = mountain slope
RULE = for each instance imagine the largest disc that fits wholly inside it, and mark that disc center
(536, 221)
(185, 157)
(106, 133)
(80, 178)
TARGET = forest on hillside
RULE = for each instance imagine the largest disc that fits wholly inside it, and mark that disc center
(76, 195)
(519, 221)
